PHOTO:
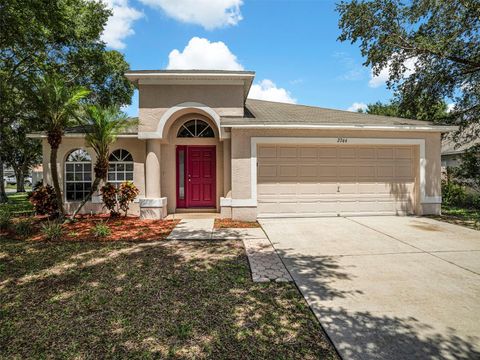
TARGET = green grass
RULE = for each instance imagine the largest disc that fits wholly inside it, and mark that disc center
(188, 300)
(17, 202)
(461, 216)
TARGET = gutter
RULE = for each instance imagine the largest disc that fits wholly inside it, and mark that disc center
(442, 129)
(77, 135)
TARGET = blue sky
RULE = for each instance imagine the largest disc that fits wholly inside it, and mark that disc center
(291, 45)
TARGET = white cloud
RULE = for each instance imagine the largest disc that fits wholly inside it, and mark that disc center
(202, 54)
(210, 14)
(119, 25)
(267, 90)
(380, 79)
(357, 106)
(450, 107)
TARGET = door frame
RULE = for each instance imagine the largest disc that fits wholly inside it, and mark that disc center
(183, 203)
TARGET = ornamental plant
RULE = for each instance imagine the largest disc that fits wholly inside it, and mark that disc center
(127, 193)
(109, 197)
(44, 200)
(119, 199)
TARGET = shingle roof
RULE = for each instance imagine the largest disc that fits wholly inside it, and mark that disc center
(458, 143)
(81, 129)
(275, 113)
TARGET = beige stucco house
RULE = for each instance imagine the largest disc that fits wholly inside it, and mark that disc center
(202, 145)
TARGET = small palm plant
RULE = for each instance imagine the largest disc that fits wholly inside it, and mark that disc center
(102, 127)
(57, 105)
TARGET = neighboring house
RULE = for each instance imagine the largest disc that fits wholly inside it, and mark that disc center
(452, 152)
(201, 144)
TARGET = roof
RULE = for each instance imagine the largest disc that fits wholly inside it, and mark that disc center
(459, 143)
(192, 77)
(260, 113)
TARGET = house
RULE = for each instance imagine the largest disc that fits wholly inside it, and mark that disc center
(452, 150)
(201, 144)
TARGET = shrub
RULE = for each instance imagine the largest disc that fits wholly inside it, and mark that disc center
(52, 231)
(453, 194)
(101, 230)
(109, 198)
(116, 199)
(44, 200)
(127, 193)
(5, 219)
(24, 227)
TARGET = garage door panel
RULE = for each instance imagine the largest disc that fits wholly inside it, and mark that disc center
(328, 180)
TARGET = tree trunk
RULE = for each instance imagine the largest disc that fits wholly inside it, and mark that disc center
(56, 183)
(95, 185)
(20, 180)
(3, 194)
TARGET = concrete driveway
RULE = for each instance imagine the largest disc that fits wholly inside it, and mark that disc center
(387, 287)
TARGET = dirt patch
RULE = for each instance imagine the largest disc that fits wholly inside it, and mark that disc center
(425, 226)
(229, 224)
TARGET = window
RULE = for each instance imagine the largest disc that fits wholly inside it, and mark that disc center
(195, 129)
(78, 175)
(120, 167)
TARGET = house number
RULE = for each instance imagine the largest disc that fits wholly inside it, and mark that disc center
(342, 140)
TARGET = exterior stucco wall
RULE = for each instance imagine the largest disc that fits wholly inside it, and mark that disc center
(241, 165)
(155, 100)
(134, 146)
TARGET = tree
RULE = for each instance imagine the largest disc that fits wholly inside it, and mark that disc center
(437, 113)
(431, 49)
(468, 172)
(21, 153)
(102, 127)
(41, 37)
(57, 106)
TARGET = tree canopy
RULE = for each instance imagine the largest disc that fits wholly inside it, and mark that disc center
(440, 38)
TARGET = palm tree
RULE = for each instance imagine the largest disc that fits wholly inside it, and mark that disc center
(57, 105)
(102, 127)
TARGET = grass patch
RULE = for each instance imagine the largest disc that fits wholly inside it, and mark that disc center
(229, 223)
(461, 216)
(189, 300)
(17, 203)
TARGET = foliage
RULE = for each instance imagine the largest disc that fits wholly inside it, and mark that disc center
(430, 48)
(24, 227)
(101, 230)
(43, 199)
(127, 192)
(119, 198)
(109, 198)
(52, 230)
(102, 127)
(394, 109)
(5, 218)
(453, 194)
(468, 172)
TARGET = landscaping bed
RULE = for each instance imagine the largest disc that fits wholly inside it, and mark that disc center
(175, 299)
(229, 223)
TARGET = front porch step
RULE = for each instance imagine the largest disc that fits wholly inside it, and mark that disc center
(196, 210)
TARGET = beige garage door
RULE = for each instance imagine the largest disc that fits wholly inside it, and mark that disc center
(309, 180)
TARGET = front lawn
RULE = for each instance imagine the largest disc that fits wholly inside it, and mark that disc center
(147, 300)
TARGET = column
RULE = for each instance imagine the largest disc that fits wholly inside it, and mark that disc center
(153, 206)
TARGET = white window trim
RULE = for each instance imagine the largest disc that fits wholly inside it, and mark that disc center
(124, 172)
(255, 141)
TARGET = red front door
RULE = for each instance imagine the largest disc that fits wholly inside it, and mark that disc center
(196, 176)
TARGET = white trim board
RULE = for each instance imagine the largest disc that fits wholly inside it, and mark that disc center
(423, 128)
(255, 141)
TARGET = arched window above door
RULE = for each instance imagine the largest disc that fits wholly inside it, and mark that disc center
(195, 129)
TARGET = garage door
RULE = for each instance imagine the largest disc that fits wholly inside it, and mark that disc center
(311, 180)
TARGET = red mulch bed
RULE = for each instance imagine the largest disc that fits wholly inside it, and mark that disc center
(229, 223)
(130, 228)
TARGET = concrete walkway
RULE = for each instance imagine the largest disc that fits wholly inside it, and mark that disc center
(387, 287)
(265, 264)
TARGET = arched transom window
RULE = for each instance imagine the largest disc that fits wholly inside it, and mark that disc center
(120, 166)
(78, 175)
(195, 129)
